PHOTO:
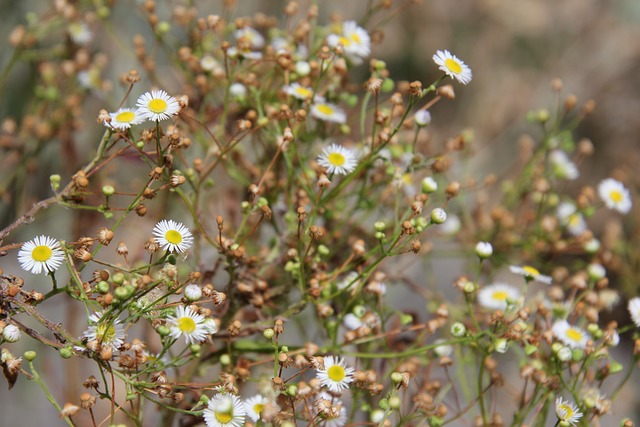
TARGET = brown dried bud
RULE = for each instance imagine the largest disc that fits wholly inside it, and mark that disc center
(447, 91)
(87, 400)
(69, 410)
(83, 254)
(141, 210)
(122, 249)
(415, 88)
(104, 236)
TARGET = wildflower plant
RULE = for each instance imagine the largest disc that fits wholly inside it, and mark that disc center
(238, 237)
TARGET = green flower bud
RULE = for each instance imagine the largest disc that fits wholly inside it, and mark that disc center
(102, 287)
(163, 331)
(396, 377)
(30, 355)
(262, 121)
(118, 278)
(615, 367)
(435, 422)
(395, 402)
(577, 354)
(292, 390)
(387, 85)
(529, 349)
(268, 333)
(195, 348)
(66, 352)
(384, 404)
(163, 27)
(379, 226)
(108, 190)
(225, 359)
(380, 235)
(429, 185)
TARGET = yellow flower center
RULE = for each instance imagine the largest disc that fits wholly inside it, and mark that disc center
(406, 179)
(530, 271)
(41, 253)
(157, 105)
(336, 373)
(574, 334)
(500, 295)
(125, 116)
(574, 219)
(336, 159)
(186, 324)
(173, 237)
(223, 417)
(568, 412)
(355, 38)
(616, 196)
(345, 41)
(105, 333)
(258, 407)
(325, 109)
(304, 92)
(453, 66)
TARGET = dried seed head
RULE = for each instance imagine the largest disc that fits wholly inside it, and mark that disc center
(104, 236)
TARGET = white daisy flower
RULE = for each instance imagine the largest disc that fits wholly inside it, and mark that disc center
(79, 33)
(192, 292)
(41, 255)
(355, 41)
(157, 105)
(442, 350)
(337, 159)
(254, 406)
(571, 219)
(563, 167)
(211, 325)
(172, 236)
(484, 249)
(336, 376)
(11, 333)
(571, 336)
(209, 63)
(422, 118)
(124, 118)
(498, 296)
(567, 411)
(328, 112)
(188, 323)
(530, 273)
(615, 195)
(453, 67)
(255, 39)
(224, 410)
(298, 91)
(634, 310)
(237, 90)
(107, 332)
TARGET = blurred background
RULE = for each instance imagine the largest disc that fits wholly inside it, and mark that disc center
(515, 48)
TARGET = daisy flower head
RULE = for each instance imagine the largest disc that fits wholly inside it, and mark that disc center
(571, 218)
(157, 105)
(172, 236)
(615, 195)
(530, 273)
(336, 376)
(567, 411)
(634, 310)
(498, 296)
(124, 118)
(453, 67)
(79, 33)
(298, 91)
(188, 323)
(106, 332)
(251, 36)
(337, 159)
(355, 41)
(563, 167)
(224, 410)
(41, 255)
(328, 112)
(254, 406)
(571, 336)
(11, 333)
